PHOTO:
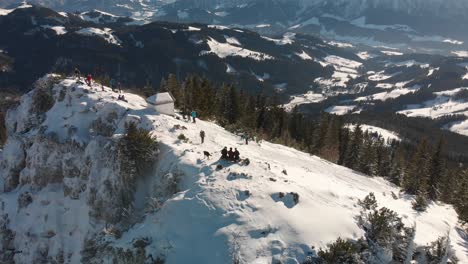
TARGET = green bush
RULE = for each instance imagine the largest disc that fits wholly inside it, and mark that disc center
(139, 147)
(340, 251)
(42, 101)
(183, 138)
(420, 203)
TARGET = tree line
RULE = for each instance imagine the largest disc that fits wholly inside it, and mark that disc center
(419, 169)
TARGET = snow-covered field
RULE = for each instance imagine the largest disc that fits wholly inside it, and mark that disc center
(395, 93)
(105, 33)
(224, 50)
(345, 70)
(59, 30)
(384, 133)
(306, 98)
(443, 105)
(216, 212)
(288, 38)
(340, 109)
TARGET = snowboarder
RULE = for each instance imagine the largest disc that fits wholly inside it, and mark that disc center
(231, 154)
(194, 115)
(236, 155)
(89, 79)
(224, 153)
(202, 136)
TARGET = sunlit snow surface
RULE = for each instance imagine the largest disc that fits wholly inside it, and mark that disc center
(211, 212)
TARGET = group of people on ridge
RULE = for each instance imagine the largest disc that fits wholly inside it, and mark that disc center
(230, 154)
(115, 86)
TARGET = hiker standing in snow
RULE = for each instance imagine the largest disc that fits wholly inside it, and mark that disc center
(202, 136)
(224, 153)
(77, 73)
(119, 86)
(194, 115)
(236, 155)
(246, 137)
(89, 79)
(112, 84)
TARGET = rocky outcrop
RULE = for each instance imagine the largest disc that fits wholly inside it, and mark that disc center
(63, 160)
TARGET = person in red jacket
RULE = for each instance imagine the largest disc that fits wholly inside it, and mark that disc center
(89, 79)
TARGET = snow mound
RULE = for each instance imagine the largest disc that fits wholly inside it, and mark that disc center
(266, 210)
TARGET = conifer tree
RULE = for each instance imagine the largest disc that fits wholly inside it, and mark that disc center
(461, 197)
(344, 143)
(436, 171)
(417, 170)
(397, 166)
(367, 156)
(321, 133)
(352, 157)
(330, 148)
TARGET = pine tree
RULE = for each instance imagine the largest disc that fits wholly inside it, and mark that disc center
(417, 171)
(330, 148)
(420, 202)
(383, 158)
(320, 133)
(397, 166)
(367, 157)
(344, 143)
(436, 171)
(352, 157)
(461, 197)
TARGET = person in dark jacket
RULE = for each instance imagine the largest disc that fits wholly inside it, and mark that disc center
(224, 153)
(231, 154)
(236, 155)
(77, 73)
(246, 137)
(202, 136)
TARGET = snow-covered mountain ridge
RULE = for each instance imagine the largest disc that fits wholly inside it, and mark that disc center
(60, 181)
(415, 7)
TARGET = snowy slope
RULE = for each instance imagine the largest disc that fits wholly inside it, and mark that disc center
(215, 212)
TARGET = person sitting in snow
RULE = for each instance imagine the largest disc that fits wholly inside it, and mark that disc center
(236, 155)
(224, 153)
(231, 154)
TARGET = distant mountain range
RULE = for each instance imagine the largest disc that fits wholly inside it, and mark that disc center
(434, 26)
(301, 70)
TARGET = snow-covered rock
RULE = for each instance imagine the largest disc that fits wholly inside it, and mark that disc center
(62, 165)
